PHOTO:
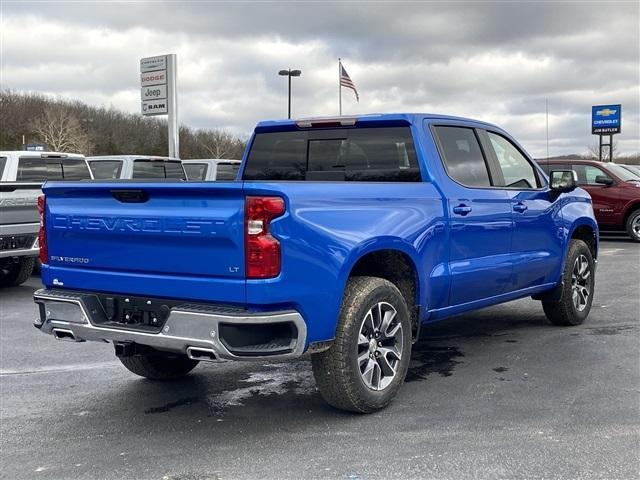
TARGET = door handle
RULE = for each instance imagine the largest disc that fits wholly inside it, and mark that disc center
(461, 209)
(130, 196)
(520, 207)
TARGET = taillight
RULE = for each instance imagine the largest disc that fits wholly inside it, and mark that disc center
(42, 235)
(262, 251)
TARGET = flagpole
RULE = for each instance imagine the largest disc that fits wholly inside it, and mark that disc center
(546, 104)
(339, 88)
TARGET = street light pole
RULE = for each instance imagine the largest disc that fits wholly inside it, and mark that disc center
(289, 73)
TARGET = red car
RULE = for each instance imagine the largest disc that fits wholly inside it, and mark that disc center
(614, 189)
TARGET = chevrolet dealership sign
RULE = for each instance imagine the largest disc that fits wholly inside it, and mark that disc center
(606, 119)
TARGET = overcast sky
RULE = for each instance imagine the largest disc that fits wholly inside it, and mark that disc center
(492, 61)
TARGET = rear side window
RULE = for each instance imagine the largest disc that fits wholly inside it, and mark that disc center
(41, 169)
(356, 154)
(196, 171)
(227, 171)
(516, 169)
(463, 158)
(75, 170)
(158, 169)
(106, 169)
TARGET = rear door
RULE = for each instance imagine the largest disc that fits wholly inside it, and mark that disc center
(537, 242)
(480, 218)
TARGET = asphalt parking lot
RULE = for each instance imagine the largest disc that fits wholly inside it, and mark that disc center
(494, 394)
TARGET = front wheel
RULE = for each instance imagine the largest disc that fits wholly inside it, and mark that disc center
(578, 287)
(159, 366)
(367, 363)
(633, 226)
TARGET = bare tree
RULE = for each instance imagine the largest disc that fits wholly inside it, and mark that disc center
(593, 151)
(218, 143)
(61, 130)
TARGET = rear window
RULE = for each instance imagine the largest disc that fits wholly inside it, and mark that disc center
(40, 169)
(358, 154)
(106, 169)
(196, 171)
(227, 171)
(158, 169)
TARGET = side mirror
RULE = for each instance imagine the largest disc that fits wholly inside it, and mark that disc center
(604, 180)
(563, 180)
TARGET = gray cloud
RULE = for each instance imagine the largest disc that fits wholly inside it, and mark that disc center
(496, 61)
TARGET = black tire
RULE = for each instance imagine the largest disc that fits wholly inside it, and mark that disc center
(338, 371)
(566, 312)
(159, 366)
(17, 273)
(633, 225)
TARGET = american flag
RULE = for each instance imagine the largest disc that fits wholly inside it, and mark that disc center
(345, 81)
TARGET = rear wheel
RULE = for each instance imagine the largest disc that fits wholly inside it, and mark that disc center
(368, 360)
(159, 366)
(578, 287)
(15, 272)
(633, 225)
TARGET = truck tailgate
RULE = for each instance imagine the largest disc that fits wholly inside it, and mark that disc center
(182, 240)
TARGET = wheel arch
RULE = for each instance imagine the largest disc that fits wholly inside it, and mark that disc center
(629, 209)
(395, 261)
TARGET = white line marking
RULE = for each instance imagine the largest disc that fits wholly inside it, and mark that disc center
(57, 369)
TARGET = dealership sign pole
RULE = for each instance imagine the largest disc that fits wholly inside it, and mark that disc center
(159, 95)
(606, 120)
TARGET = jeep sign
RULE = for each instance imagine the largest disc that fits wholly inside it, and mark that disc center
(155, 92)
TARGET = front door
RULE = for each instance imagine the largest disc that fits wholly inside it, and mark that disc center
(605, 198)
(537, 243)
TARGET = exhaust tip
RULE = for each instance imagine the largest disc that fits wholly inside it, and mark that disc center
(62, 334)
(201, 354)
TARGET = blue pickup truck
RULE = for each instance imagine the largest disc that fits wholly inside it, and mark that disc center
(341, 237)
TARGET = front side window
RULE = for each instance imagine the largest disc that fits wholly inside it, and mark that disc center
(462, 156)
(143, 168)
(346, 154)
(195, 171)
(106, 169)
(587, 174)
(516, 169)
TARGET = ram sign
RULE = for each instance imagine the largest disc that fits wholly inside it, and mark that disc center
(606, 119)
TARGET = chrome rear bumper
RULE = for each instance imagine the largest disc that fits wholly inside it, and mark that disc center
(193, 330)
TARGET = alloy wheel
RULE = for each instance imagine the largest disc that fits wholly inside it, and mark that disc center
(581, 283)
(380, 346)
